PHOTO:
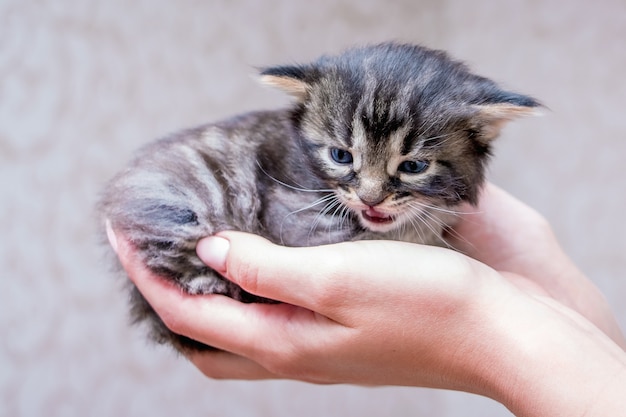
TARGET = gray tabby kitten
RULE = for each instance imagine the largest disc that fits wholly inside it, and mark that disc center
(382, 142)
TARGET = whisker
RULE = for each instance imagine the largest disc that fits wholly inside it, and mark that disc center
(324, 199)
(456, 213)
(430, 221)
(292, 187)
(437, 208)
(415, 223)
(332, 203)
(428, 226)
(330, 200)
(344, 216)
(460, 237)
(338, 208)
(425, 214)
(327, 197)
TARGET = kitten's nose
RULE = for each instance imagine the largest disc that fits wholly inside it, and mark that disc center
(371, 191)
(372, 201)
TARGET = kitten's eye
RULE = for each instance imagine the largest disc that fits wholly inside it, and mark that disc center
(341, 156)
(413, 167)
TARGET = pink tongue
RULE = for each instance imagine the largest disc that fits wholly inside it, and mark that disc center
(376, 216)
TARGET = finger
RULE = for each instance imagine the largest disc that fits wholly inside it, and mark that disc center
(332, 279)
(470, 235)
(267, 330)
(312, 277)
(211, 319)
(225, 365)
(176, 309)
(298, 276)
(493, 231)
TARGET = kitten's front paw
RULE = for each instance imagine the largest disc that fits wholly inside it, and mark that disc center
(203, 285)
(210, 284)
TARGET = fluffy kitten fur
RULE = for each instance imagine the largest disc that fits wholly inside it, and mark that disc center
(382, 142)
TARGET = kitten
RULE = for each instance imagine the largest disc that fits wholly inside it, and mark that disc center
(382, 142)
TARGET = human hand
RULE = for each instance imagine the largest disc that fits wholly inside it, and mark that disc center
(394, 313)
(509, 236)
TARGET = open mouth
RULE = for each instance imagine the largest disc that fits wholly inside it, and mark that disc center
(375, 216)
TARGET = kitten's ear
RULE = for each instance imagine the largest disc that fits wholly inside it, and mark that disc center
(493, 115)
(294, 80)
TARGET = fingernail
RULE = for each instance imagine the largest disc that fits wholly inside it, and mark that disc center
(213, 251)
(111, 235)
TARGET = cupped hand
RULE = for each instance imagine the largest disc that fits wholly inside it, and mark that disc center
(355, 312)
(380, 312)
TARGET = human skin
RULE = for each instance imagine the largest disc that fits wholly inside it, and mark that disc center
(507, 316)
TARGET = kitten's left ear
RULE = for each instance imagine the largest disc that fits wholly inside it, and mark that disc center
(493, 115)
(294, 80)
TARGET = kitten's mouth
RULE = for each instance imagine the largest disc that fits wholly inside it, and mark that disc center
(377, 217)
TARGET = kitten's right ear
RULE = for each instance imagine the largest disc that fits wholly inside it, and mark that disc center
(294, 80)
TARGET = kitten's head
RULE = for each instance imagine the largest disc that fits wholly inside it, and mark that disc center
(396, 128)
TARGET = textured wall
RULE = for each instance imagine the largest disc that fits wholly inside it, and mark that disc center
(83, 83)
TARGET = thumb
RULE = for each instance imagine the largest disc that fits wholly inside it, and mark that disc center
(291, 275)
(323, 277)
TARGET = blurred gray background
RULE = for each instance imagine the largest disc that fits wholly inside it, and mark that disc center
(84, 83)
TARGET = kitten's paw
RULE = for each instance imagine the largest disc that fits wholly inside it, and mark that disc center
(208, 284)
